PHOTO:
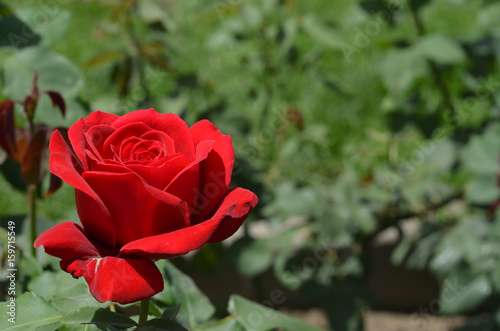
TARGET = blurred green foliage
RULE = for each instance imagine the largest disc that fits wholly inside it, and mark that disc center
(351, 116)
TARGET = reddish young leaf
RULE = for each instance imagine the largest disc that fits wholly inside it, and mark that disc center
(7, 127)
(29, 105)
(21, 142)
(57, 101)
(33, 160)
(55, 184)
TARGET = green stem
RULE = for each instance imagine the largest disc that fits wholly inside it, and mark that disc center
(31, 200)
(143, 316)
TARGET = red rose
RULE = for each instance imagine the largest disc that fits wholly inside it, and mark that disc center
(147, 187)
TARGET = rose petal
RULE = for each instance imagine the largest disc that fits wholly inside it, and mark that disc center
(185, 183)
(170, 123)
(64, 165)
(96, 136)
(215, 176)
(77, 131)
(163, 138)
(160, 176)
(67, 241)
(122, 280)
(137, 209)
(113, 143)
(231, 212)
(204, 130)
(168, 245)
(156, 175)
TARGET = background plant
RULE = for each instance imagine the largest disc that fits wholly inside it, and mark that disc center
(350, 117)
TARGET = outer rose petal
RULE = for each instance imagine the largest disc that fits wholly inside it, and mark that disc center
(233, 210)
(229, 216)
(77, 132)
(122, 280)
(66, 241)
(168, 245)
(64, 165)
(171, 124)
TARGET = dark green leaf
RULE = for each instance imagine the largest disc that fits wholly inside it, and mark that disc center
(96, 315)
(15, 33)
(195, 308)
(162, 324)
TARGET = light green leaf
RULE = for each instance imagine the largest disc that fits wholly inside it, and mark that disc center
(440, 49)
(31, 312)
(481, 153)
(55, 73)
(256, 317)
(401, 68)
(229, 323)
(483, 189)
(63, 291)
(55, 22)
(249, 257)
(463, 291)
(326, 36)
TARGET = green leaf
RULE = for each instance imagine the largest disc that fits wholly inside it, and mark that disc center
(326, 36)
(481, 153)
(162, 324)
(345, 314)
(440, 49)
(171, 312)
(95, 315)
(15, 33)
(229, 323)
(483, 189)
(63, 291)
(56, 22)
(11, 171)
(441, 158)
(256, 317)
(196, 308)
(463, 291)
(31, 312)
(249, 257)
(401, 68)
(55, 73)
(400, 253)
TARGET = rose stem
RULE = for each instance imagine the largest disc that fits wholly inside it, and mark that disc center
(31, 200)
(143, 316)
